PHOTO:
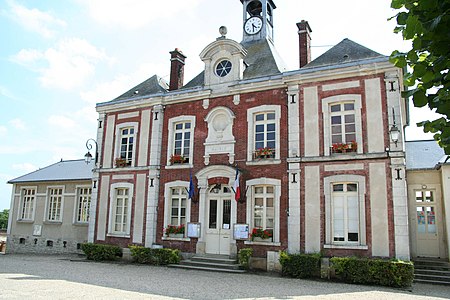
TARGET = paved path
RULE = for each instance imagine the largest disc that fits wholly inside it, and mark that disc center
(57, 277)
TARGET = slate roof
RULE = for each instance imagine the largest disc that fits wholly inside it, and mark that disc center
(421, 155)
(61, 171)
(344, 52)
(262, 60)
(153, 85)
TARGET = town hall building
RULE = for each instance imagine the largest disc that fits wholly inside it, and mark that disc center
(248, 154)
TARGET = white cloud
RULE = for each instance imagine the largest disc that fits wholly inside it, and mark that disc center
(134, 14)
(18, 124)
(61, 121)
(68, 65)
(25, 167)
(35, 20)
(3, 130)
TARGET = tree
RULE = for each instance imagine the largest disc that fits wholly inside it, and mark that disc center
(4, 219)
(427, 24)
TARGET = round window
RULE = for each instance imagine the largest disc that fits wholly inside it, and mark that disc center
(223, 68)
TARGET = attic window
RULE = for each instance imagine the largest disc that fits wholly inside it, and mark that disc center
(223, 68)
(136, 92)
(345, 57)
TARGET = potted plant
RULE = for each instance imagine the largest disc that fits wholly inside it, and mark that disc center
(265, 152)
(120, 162)
(176, 231)
(177, 159)
(261, 235)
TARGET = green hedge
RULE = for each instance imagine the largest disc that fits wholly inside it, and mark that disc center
(163, 256)
(392, 273)
(99, 252)
(300, 265)
(244, 257)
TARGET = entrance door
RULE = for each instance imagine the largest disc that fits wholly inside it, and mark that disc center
(427, 234)
(218, 233)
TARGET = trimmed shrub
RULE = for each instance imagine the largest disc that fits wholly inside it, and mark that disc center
(300, 265)
(100, 252)
(392, 273)
(244, 257)
(156, 257)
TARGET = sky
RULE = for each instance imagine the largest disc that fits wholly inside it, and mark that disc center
(59, 58)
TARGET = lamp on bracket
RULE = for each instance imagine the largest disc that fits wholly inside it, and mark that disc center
(394, 132)
(88, 155)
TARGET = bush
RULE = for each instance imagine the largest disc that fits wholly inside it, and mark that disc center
(157, 257)
(392, 273)
(244, 257)
(300, 265)
(99, 252)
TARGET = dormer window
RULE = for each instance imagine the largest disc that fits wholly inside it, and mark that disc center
(223, 68)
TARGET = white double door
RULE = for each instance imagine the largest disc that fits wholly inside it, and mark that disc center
(218, 220)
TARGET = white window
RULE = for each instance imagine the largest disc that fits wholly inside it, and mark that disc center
(263, 206)
(120, 209)
(178, 203)
(127, 144)
(343, 129)
(120, 213)
(125, 149)
(83, 205)
(54, 204)
(342, 124)
(181, 141)
(345, 213)
(345, 225)
(263, 133)
(28, 198)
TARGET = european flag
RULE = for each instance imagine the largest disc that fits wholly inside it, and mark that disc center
(191, 187)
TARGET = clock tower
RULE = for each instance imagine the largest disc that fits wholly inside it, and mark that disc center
(258, 20)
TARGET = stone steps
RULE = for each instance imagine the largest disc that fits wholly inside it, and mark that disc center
(433, 271)
(213, 263)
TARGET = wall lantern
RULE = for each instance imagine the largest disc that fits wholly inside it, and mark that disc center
(88, 155)
(394, 132)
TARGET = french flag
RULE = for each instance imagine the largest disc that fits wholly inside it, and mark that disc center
(236, 187)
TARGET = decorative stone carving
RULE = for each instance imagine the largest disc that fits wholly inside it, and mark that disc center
(220, 138)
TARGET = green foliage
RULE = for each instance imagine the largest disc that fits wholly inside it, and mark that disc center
(426, 23)
(100, 252)
(4, 219)
(300, 265)
(244, 257)
(392, 273)
(157, 257)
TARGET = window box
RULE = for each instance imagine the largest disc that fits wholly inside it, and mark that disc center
(177, 159)
(344, 147)
(264, 153)
(174, 231)
(120, 162)
(261, 235)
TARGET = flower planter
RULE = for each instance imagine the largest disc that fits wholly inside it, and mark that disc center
(176, 235)
(261, 240)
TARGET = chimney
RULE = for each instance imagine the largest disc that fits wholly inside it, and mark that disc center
(304, 36)
(176, 69)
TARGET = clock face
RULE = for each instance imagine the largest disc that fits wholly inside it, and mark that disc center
(253, 25)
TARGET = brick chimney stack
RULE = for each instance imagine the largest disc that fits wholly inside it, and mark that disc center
(304, 35)
(176, 69)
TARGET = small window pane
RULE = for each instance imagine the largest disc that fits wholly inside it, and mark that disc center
(187, 125)
(338, 187)
(271, 127)
(336, 120)
(259, 190)
(179, 126)
(352, 187)
(269, 202)
(349, 106)
(271, 116)
(259, 117)
(259, 202)
(336, 107)
(269, 189)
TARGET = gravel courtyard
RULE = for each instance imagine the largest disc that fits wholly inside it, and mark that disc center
(65, 277)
